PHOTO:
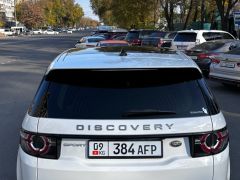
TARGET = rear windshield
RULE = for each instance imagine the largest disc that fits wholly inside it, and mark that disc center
(113, 44)
(158, 34)
(132, 35)
(186, 37)
(92, 40)
(94, 95)
(209, 46)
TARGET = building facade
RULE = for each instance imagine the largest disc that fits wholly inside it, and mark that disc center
(7, 9)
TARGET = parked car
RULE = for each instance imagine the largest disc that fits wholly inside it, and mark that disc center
(167, 40)
(6, 32)
(204, 53)
(134, 37)
(119, 37)
(69, 31)
(37, 31)
(187, 39)
(89, 41)
(145, 115)
(112, 43)
(226, 68)
(50, 32)
(155, 39)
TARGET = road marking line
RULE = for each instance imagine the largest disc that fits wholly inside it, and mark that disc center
(231, 114)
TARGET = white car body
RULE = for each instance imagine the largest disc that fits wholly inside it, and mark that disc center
(74, 162)
(226, 69)
(6, 32)
(89, 41)
(69, 31)
(37, 32)
(50, 32)
(191, 38)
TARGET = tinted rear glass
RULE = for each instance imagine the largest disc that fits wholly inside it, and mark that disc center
(92, 40)
(93, 95)
(132, 35)
(186, 37)
(158, 34)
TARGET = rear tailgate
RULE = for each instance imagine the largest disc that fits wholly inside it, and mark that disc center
(227, 68)
(78, 134)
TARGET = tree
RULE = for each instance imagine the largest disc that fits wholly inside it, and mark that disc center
(52, 13)
(224, 9)
(168, 7)
(88, 22)
(125, 13)
(30, 14)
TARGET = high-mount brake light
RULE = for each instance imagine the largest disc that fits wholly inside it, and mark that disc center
(39, 146)
(209, 144)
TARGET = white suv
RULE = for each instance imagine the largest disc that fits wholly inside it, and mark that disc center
(101, 114)
(187, 39)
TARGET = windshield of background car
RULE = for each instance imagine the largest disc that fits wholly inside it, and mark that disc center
(158, 34)
(209, 46)
(113, 44)
(186, 37)
(94, 40)
(132, 35)
(146, 33)
(85, 94)
(170, 35)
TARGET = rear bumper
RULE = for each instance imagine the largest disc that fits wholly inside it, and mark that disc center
(181, 168)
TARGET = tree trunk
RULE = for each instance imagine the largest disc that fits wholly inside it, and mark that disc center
(203, 11)
(225, 11)
(188, 15)
(196, 11)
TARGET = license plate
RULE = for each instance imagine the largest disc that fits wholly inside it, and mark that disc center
(125, 149)
(228, 65)
(193, 57)
(182, 47)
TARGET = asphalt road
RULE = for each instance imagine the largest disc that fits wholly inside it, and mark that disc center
(23, 61)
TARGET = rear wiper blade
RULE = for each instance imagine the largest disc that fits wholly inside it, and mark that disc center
(147, 112)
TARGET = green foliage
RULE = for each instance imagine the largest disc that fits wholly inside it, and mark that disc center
(53, 13)
(125, 13)
(30, 14)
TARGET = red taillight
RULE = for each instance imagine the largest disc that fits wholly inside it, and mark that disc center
(209, 144)
(39, 146)
(136, 42)
(203, 56)
(215, 61)
(160, 43)
(206, 56)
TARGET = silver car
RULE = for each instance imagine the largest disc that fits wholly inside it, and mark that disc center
(226, 67)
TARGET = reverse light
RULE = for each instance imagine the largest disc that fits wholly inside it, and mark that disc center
(209, 144)
(39, 146)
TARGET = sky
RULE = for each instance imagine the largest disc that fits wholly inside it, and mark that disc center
(85, 4)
